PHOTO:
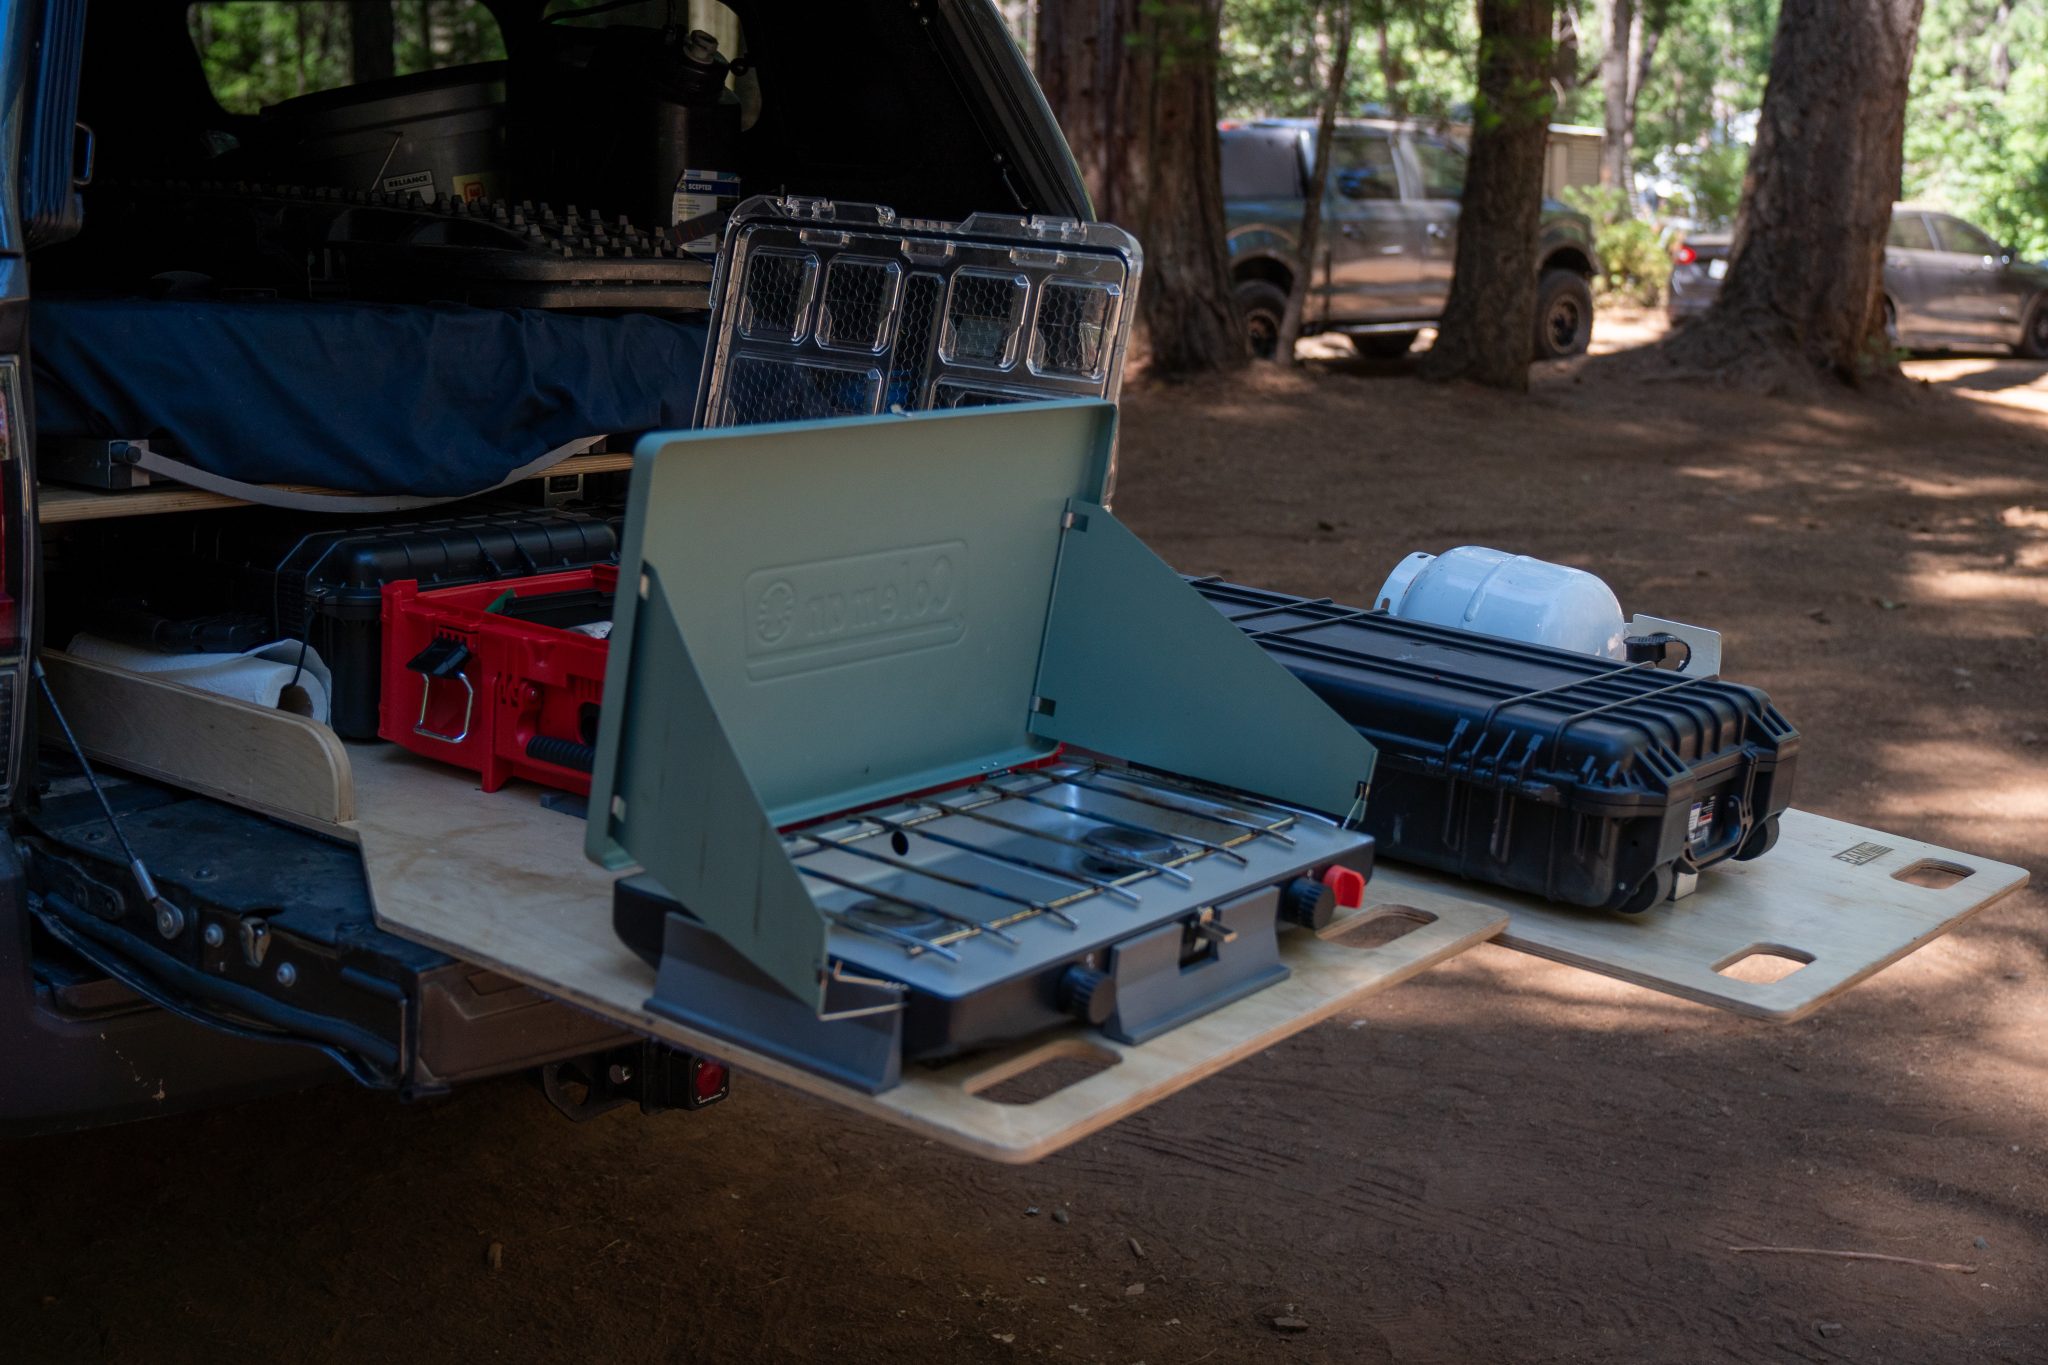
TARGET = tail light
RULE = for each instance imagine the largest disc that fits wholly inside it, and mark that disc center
(17, 567)
(1684, 255)
(710, 1082)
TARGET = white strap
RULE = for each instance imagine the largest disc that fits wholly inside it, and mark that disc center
(306, 500)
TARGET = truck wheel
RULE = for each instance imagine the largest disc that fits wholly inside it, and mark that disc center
(2034, 341)
(1382, 345)
(1263, 304)
(1564, 314)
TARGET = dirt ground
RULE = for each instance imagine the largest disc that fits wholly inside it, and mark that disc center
(1504, 1160)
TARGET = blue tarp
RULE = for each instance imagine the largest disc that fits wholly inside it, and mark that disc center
(365, 398)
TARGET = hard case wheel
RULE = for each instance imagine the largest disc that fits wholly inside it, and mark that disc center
(1759, 841)
(1654, 890)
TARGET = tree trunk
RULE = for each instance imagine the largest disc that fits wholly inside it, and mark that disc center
(1616, 73)
(1649, 29)
(1393, 74)
(2001, 47)
(371, 34)
(1489, 321)
(1133, 84)
(1804, 292)
(1318, 184)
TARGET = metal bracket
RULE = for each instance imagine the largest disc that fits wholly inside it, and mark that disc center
(1704, 659)
(255, 935)
(88, 462)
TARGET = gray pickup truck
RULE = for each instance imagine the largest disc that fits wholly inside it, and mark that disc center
(1390, 232)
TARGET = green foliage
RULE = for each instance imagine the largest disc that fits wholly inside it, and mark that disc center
(1634, 263)
(1412, 57)
(258, 52)
(1712, 59)
(1977, 126)
(1712, 175)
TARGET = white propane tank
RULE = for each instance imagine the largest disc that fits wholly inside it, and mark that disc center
(1496, 593)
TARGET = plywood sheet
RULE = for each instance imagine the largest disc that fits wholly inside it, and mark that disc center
(1831, 893)
(268, 760)
(56, 503)
(499, 880)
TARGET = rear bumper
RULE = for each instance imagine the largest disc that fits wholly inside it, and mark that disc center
(1690, 293)
(63, 1068)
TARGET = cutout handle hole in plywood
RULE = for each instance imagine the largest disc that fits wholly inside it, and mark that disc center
(1378, 927)
(1760, 964)
(1933, 873)
(1042, 1072)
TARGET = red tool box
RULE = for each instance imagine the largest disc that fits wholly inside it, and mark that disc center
(496, 677)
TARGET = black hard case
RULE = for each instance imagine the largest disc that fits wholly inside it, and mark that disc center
(1571, 776)
(324, 582)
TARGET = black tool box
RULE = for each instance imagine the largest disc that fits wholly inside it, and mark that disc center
(324, 582)
(1575, 777)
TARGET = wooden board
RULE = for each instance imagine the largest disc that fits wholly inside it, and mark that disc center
(1848, 915)
(56, 503)
(500, 881)
(271, 761)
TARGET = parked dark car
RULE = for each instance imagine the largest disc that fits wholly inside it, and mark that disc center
(1389, 237)
(1948, 285)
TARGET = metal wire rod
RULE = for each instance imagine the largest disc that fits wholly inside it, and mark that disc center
(1234, 823)
(1128, 859)
(1131, 825)
(842, 846)
(1013, 859)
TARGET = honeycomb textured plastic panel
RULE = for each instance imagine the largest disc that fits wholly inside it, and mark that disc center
(823, 309)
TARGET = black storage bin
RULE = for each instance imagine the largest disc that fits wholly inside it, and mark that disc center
(1571, 776)
(326, 585)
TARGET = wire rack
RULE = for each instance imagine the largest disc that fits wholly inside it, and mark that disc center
(962, 899)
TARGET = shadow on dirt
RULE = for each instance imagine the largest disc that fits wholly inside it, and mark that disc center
(1502, 1160)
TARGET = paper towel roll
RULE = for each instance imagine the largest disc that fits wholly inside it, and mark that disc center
(270, 675)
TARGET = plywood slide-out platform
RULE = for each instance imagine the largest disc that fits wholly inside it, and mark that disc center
(499, 880)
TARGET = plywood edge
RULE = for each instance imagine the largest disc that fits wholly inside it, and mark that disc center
(1727, 994)
(57, 504)
(1830, 892)
(1326, 979)
(270, 761)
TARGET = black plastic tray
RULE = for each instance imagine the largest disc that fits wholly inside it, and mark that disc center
(1571, 776)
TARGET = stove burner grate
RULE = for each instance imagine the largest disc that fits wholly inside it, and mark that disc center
(1107, 851)
(1120, 851)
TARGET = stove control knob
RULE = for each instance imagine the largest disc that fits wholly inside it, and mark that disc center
(1087, 994)
(1308, 902)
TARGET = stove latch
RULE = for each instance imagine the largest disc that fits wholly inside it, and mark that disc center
(1180, 971)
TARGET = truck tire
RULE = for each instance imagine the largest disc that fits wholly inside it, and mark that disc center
(2033, 343)
(1262, 304)
(1382, 345)
(1564, 314)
